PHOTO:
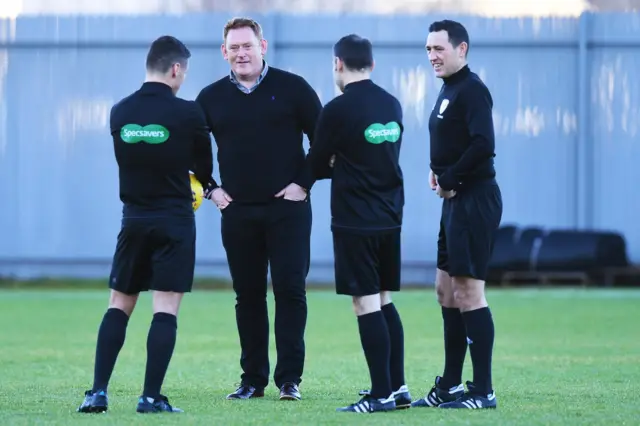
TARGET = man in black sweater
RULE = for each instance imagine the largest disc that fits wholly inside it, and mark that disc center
(360, 134)
(157, 138)
(258, 115)
(463, 174)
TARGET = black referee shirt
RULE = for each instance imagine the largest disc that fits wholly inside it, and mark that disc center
(158, 138)
(461, 128)
(363, 129)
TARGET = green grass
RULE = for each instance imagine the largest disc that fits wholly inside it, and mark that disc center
(562, 357)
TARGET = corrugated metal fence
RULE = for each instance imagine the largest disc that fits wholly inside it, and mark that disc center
(567, 117)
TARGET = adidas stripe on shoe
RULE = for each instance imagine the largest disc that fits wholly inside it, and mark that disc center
(437, 395)
(473, 400)
(369, 404)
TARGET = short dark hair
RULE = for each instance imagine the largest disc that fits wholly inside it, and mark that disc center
(456, 31)
(356, 52)
(165, 52)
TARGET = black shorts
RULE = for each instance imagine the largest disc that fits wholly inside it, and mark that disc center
(154, 254)
(468, 225)
(367, 264)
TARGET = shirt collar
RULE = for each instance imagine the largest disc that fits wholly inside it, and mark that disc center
(263, 73)
(360, 83)
(156, 87)
(458, 75)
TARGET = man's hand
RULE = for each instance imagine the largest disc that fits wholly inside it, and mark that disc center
(433, 183)
(220, 198)
(445, 194)
(293, 192)
(332, 161)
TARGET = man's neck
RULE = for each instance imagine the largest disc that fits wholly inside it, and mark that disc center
(462, 65)
(247, 81)
(153, 78)
(349, 78)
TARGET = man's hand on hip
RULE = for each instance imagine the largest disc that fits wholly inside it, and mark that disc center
(220, 198)
(445, 194)
(293, 192)
(433, 182)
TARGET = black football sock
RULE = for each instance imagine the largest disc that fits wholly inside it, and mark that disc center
(111, 336)
(396, 337)
(374, 336)
(160, 344)
(480, 330)
(455, 347)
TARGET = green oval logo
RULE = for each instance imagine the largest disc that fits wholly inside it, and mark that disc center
(151, 133)
(378, 133)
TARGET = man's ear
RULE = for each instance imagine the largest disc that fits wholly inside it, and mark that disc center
(263, 47)
(338, 64)
(463, 48)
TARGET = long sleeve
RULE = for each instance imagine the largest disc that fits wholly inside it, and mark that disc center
(202, 153)
(478, 117)
(323, 145)
(309, 107)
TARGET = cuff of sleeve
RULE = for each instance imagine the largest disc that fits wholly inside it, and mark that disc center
(447, 182)
(211, 186)
(305, 181)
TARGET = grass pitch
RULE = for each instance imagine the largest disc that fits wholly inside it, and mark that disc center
(562, 357)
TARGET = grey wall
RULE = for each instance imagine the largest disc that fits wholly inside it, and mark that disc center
(567, 120)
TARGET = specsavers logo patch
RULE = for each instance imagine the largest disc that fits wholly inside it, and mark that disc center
(378, 133)
(151, 133)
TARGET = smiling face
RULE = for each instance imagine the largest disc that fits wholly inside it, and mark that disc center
(244, 51)
(444, 57)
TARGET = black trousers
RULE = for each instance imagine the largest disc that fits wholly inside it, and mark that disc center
(255, 237)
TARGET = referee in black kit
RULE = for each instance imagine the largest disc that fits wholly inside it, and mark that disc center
(157, 138)
(360, 133)
(463, 174)
(258, 115)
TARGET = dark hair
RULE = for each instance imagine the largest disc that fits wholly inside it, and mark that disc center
(356, 52)
(456, 31)
(165, 52)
